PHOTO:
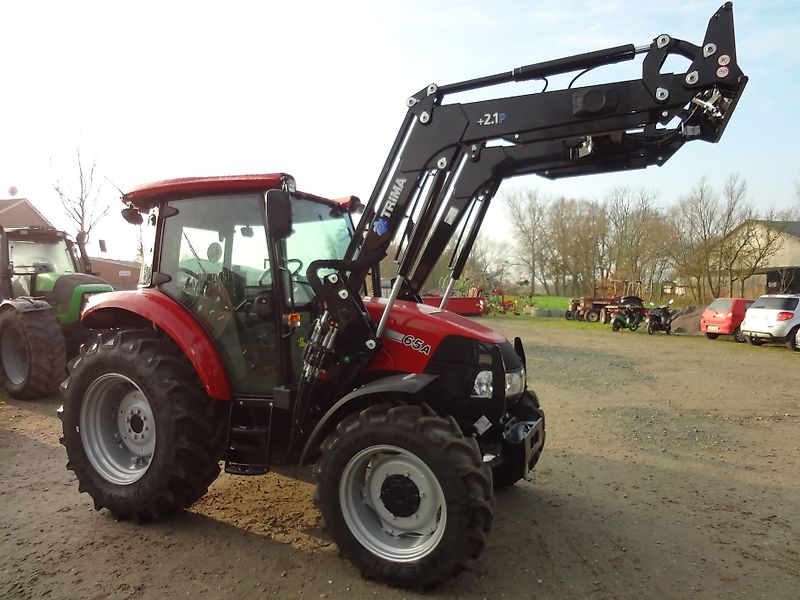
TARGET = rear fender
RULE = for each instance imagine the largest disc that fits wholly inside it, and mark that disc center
(24, 304)
(148, 307)
(403, 384)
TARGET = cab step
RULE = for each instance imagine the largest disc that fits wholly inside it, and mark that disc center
(247, 449)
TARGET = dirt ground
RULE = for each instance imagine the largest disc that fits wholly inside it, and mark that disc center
(670, 471)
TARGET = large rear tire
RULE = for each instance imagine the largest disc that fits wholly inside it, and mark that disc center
(33, 360)
(142, 437)
(404, 494)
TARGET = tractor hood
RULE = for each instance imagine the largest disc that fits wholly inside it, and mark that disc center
(66, 292)
(422, 317)
(414, 332)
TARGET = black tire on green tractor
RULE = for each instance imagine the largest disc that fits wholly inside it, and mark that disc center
(404, 494)
(141, 435)
(512, 470)
(33, 360)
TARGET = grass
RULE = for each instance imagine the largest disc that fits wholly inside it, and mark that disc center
(551, 302)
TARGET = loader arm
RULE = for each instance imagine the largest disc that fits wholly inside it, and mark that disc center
(448, 160)
(560, 133)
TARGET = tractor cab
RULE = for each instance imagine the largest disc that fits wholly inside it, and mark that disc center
(248, 289)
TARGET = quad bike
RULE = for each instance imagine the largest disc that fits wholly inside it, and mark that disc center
(659, 319)
(259, 335)
(43, 288)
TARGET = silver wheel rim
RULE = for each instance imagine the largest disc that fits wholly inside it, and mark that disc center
(362, 490)
(117, 429)
(15, 356)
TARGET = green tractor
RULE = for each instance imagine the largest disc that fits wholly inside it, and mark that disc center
(44, 285)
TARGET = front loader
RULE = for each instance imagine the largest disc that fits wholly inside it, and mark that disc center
(253, 338)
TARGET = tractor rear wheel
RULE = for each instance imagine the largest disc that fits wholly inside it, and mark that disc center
(142, 437)
(404, 494)
(32, 355)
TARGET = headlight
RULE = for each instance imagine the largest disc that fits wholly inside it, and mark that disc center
(482, 387)
(515, 384)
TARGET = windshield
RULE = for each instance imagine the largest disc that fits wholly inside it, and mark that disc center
(51, 256)
(318, 232)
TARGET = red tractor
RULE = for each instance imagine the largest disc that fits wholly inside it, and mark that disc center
(252, 339)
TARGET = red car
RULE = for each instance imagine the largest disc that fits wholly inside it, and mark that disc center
(723, 317)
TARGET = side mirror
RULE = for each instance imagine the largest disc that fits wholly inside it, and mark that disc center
(279, 214)
(132, 215)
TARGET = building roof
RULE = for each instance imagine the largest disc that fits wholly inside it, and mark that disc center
(790, 227)
(19, 212)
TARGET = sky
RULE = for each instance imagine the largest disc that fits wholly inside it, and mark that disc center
(156, 90)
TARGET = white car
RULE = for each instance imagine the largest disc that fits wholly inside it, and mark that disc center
(773, 318)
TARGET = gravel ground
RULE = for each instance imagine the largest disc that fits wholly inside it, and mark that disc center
(670, 471)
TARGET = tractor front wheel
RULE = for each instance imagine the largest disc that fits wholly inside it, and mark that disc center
(404, 494)
(32, 355)
(142, 437)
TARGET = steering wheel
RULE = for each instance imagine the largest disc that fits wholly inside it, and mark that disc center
(191, 275)
(266, 276)
(297, 269)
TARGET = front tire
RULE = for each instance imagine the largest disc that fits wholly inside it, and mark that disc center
(404, 494)
(141, 435)
(33, 360)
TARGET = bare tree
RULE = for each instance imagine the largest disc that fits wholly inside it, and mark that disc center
(695, 219)
(82, 203)
(733, 211)
(526, 210)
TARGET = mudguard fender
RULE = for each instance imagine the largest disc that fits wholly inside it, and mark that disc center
(25, 304)
(146, 307)
(403, 383)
